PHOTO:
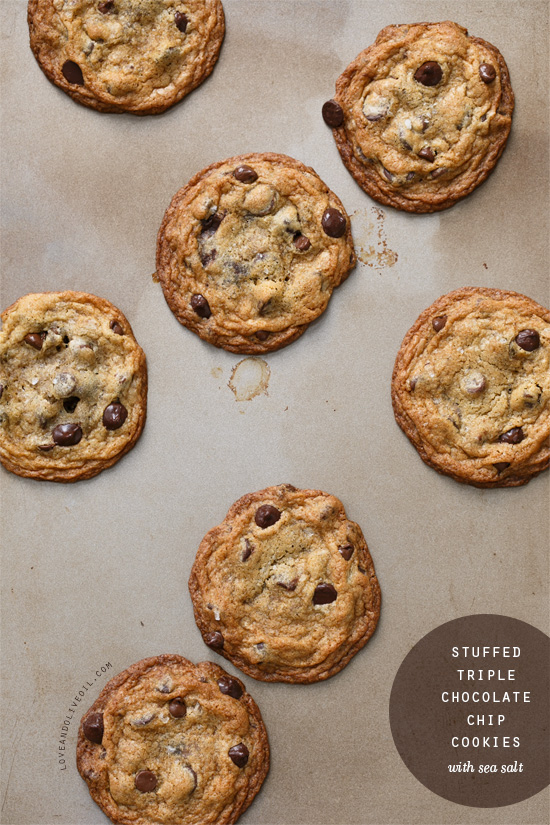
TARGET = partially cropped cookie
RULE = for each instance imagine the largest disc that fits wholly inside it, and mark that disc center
(421, 117)
(73, 386)
(250, 251)
(285, 586)
(171, 742)
(471, 387)
(138, 56)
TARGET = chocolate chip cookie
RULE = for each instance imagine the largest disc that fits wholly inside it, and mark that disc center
(471, 387)
(285, 586)
(139, 56)
(171, 742)
(421, 117)
(250, 251)
(73, 386)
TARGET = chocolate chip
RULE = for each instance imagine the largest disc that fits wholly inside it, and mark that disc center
(115, 326)
(333, 114)
(324, 594)
(106, 6)
(72, 73)
(201, 306)
(302, 243)
(145, 781)
(374, 118)
(181, 21)
(214, 640)
(35, 339)
(333, 223)
(239, 755)
(410, 175)
(70, 403)
(513, 436)
(528, 339)
(487, 72)
(66, 435)
(387, 173)
(245, 174)
(346, 551)
(437, 173)
(230, 687)
(266, 515)
(429, 73)
(247, 552)
(290, 586)
(405, 144)
(501, 465)
(114, 416)
(412, 384)
(425, 124)
(262, 335)
(427, 154)
(439, 322)
(207, 257)
(177, 708)
(1, 390)
(45, 448)
(92, 727)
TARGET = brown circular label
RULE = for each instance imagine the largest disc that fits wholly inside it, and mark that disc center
(469, 710)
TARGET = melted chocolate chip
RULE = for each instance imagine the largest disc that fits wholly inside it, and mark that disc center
(346, 551)
(35, 339)
(1, 390)
(301, 243)
(513, 436)
(333, 223)
(214, 640)
(181, 21)
(69, 404)
(247, 552)
(405, 144)
(145, 781)
(230, 687)
(439, 322)
(427, 154)
(387, 173)
(262, 335)
(92, 727)
(324, 594)
(290, 586)
(437, 173)
(501, 465)
(201, 306)
(210, 224)
(429, 73)
(333, 114)
(45, 448)
(72, 73)
(66, 435)
(115, 326)
(266, 515)
(239, 755)
(114, 416)
(487, 72)
(177, 708)
(245, 174)
(106, 6)
(528, 339)
(375, 117)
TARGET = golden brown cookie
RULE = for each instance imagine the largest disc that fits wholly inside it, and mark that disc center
(250, 251)
(73, 386)
(421, 117)
(138, 56)
(471, 387)
(285, 586)
(171, 742)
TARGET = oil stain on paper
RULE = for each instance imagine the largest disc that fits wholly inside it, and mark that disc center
(371, 241)
(249, 378)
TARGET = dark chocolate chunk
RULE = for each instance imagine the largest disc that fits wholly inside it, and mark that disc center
(513, 436)
(487, 72)
(245, 174)
(69, 404)
(333, 223)
(72, 73)
(92, 727)
(410, 175)
(302, 243)
(262, 335)
(501, 465)
(333, 114)
(207, 257)
(114, 416)
(437, 173)
(387, 173)
(106, 6)
(230, 687)
(346, 551)
(405, 144)
(214, 640)
(427, 154)
(266, 515)
(201, 306)
(181, 21)
(210, 224)
(115, 326)
(247, 552)
(324, 594)
(35, 339)
(66, 435)
(239, 755)
(145, 781)
(290, 586)
(177, 708)
(528, 339)
(439, 322)
(429, 73)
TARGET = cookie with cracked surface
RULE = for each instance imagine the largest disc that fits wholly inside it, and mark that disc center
(285, 586)
(421, 117)
(138, 56)
(171, 742)
(73, 386)
(471, 387)
(250, 251)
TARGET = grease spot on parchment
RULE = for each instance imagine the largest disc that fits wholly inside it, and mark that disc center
(217, 372)
(371, 241)
(249, 378)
